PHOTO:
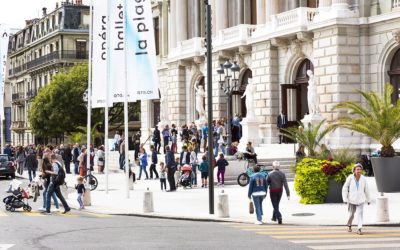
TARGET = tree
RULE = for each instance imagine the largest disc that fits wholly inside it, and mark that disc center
(378, 119)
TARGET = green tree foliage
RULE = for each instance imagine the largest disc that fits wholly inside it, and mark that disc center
(379, 118)
(59, 108)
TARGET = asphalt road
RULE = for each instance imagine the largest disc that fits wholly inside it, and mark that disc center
(83, 230)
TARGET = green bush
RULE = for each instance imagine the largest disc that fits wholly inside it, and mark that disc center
(342, 175)
(310, 182)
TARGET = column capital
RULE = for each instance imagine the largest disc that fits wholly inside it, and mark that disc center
(396, 35)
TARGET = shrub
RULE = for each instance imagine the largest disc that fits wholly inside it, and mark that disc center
(310, 182)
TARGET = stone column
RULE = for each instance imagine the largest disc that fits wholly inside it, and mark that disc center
(340, 4)
(323, 8)
(197, 20)
(164, 31)
(181, 21)
(272, 8)
(240, 12)
(247, 12)
(221, 15)
(172, 24)
(340, 9)
(261, 12)
(324, 4)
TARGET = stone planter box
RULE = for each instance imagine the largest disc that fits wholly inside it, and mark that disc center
(387, 172)
(334, 192)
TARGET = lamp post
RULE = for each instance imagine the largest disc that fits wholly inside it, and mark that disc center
(228, 83)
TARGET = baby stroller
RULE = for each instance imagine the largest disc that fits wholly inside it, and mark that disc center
(186, 177)
(16, 199)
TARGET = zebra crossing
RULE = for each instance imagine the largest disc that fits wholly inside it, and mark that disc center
(328, 237)
(4, 214)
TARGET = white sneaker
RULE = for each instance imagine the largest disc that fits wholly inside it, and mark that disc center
(56, 210)
(258, 222)
(42, 209)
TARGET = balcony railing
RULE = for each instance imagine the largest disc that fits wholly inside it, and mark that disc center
(188, 48)
(17, 97)
(396, 4)
(18, 124)
(234, 36)
(299, 17)
(31, 93)
(58, 55)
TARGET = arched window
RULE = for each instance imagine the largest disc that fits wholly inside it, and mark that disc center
(394, 74)
(238, 103)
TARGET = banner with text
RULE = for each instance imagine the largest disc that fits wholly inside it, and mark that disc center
(4, 35)
(140, 48)
(117, 51)
(99, 55)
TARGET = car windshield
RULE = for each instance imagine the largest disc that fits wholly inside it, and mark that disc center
(3, 158)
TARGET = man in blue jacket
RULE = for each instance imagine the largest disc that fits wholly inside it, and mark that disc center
(171, 168)
(258, 190)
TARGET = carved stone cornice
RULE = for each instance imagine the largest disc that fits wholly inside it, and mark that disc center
(198, 59)
(396, 35)
(225, 54)
(280, 42)
(245, 49)
(305, 36)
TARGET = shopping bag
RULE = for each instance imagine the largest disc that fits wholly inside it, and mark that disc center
(251, 207)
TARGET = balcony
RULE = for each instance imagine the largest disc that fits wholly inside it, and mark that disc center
(234, 36)
(16, 125)
(188, 48)
(31, 94)
(17, 97)
(57, 56)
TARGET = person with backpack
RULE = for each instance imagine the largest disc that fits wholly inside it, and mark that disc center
(57, 179)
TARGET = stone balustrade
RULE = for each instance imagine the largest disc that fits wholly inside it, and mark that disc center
(233, 36)
(188, 48)
(294, 18)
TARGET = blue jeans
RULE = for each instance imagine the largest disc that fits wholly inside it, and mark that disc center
(143, 168)
(258, 206)
(53, 196)
(31, 173)
(80, 200)
(76, 167)
(50, 191)
(194, 174)
(275, 199)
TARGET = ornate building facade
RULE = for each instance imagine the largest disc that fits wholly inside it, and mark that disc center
(44, 47)
(348, 44)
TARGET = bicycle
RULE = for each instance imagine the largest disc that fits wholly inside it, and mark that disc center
(92, 181)
(244, 178)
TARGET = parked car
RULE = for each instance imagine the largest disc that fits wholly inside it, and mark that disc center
(7, 166)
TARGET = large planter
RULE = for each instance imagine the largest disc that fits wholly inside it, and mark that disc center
(387, 173)
(334, 192)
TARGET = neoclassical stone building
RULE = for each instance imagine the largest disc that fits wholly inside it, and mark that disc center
(47, 45)
(348, 44)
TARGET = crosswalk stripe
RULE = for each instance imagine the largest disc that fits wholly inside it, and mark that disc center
(330, 231)
(6, 246)
(68, 215)
(303, 229)
(358, 246)
(3, 214)
(319, 236)
(32, 214)
(316, 241)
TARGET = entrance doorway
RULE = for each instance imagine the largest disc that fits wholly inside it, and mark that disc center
(394, 74)
(239, 103)
(294, 95)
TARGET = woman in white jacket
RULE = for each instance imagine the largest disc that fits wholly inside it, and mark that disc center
(355, 193)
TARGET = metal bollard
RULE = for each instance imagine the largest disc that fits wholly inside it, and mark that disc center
(148, 205)
(223, 205)
(87, 200)
(131, 182)
(382, 209)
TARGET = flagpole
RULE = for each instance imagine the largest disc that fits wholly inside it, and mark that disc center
(89, 97)
(107, 148)
(126, 121)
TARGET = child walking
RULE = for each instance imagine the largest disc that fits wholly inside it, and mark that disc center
(174, 140)
(221, 164)
(204, 171)
(163, 176)
(80, 187)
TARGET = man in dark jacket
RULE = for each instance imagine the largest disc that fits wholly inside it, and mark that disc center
(31, 164)
(8, 150)
(154, 161)
(157, 139)
(76, 152)
(184, 157)
(276, 181)
(66, 156)
(282, 123)
(171, 168)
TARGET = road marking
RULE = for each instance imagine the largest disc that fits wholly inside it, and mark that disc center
(358, 246)
(352, 235)
(371, 231)
(32, 214)
(6, 246)
(342, 240)
(2, 214)
(68, 215)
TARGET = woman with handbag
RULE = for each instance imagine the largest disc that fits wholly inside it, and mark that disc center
(258, 190)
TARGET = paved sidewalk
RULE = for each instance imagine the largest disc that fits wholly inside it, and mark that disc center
(193, 203)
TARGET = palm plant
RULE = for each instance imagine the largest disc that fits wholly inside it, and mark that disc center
(309, 136)
(378, 119)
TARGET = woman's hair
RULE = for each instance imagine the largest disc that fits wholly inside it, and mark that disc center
(357, 165)
(46, 164)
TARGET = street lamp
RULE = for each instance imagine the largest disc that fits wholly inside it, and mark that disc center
(228, 83)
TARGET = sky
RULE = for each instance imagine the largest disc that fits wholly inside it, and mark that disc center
(15, 12)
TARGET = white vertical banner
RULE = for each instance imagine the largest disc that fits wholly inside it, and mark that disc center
(99, 54)
(141, 51)
(4, 35)
(117, 51)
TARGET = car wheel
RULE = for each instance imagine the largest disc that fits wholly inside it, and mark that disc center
(12, 209)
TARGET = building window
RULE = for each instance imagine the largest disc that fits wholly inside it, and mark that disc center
(157, 34)
(312, 3)
(81, 49)
(394, 74)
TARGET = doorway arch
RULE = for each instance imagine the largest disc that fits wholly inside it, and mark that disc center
(394, 74)
(239, 103)
(294, 95)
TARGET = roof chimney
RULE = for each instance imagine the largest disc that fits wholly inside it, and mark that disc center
(44, 11)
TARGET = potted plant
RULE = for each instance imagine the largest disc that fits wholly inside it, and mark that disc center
(378, 119)
(337, 173)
